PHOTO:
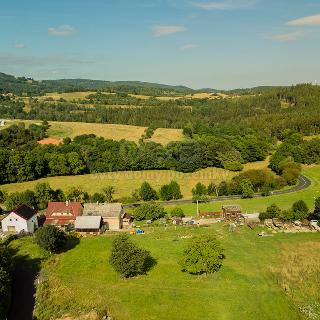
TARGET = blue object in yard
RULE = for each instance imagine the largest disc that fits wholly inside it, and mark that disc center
(139, 231)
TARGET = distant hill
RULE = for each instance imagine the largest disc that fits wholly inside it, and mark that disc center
(19, 85)
(29, 86)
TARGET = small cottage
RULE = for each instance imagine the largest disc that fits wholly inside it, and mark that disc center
(63, 214)
(21, 219)
(111, 213)
(88, 224)
(2, 123)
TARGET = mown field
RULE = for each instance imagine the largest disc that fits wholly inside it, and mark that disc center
(60, 130)
(262, 278)
(76, 96)
(127, 181)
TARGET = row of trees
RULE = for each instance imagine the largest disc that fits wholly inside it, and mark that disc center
(298, 211)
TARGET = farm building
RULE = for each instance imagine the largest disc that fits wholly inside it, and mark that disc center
(21, 219)
(112, 214)
(232, 211)
(63, 214)
(2, 123)
(88, 224)
(127, 220)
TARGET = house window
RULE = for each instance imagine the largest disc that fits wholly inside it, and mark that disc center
(16, 219)
(10, 219)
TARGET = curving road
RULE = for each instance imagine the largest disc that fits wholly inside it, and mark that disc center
(304, 183)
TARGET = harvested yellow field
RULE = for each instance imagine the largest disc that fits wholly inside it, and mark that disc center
(308, 138)
(164, 136)
(257, 165)
(107, 131)
(68, 96)
(60, 130)
(127, 181)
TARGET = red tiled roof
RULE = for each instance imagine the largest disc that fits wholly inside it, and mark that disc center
(62, 213)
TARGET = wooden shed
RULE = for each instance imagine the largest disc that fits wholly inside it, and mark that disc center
(232, 211)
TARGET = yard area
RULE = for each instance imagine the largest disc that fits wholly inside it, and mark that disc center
(253, 283)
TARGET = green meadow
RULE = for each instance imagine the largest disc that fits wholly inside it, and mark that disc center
(257, 281)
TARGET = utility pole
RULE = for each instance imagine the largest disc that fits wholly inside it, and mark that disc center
(197, 208)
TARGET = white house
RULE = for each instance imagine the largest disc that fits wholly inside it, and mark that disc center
(20, 219)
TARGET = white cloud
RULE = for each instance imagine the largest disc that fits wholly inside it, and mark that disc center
(189, 46)
(225, 5)
(20, 45)
(306, 21)
(61, 31)
(292, 36)
(162, 31)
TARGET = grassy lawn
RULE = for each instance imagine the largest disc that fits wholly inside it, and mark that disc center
(127, 181)
(253, 283)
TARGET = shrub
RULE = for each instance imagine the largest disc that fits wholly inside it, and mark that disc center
(50, 238)
(149, 211)
(177, 212)
(233, 166)
(129, 260)
(202, 256)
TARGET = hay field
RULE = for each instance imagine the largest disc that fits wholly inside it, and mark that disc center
(68, 96)
(127, 181)
(164, 135)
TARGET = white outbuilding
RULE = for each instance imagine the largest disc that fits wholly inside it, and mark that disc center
(20, 219)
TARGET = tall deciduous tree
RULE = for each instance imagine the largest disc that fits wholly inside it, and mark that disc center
(203, 255)
(127, 259)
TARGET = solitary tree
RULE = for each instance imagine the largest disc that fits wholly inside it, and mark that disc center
(109, 192)
(202, 256)
(50, 238)
(199, 190)
(127, 259)
(246, 188)
(300, 210)
(147, 193)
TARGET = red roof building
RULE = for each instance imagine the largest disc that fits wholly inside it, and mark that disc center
(63, 213)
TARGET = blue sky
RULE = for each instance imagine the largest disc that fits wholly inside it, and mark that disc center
(199, 43)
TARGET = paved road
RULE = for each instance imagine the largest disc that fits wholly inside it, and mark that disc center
(304, 183)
